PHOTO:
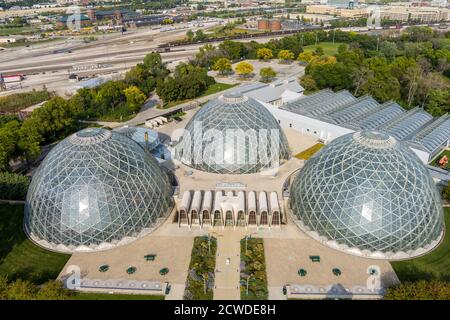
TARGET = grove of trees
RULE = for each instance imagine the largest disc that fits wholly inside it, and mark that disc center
(413, 68)
(187, 82)
(58, 117)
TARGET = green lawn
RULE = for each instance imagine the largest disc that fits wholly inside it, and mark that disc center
(19, 257)
(329, 48)
(217, 87)
(214, 88)
(435, 265)
(17, 30)
(106, 296)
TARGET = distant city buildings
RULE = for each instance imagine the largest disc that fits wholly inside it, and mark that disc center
(396, 11)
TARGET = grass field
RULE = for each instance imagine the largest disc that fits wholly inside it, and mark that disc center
(19, 257)
(106, 296)
(17, 30)
(221, 31)
(329, 48)
(435, 265)
(308, 153)
(216, 87)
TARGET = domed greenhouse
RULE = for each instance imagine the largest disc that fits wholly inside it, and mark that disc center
(368, 194)
(96, 189)
(233, 134)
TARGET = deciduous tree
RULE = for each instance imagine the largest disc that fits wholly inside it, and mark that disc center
(244, 69)
(264, 54)
(267, 74)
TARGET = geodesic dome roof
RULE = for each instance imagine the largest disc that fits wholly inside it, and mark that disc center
(232, 134)
(368, 194)
(94, 190)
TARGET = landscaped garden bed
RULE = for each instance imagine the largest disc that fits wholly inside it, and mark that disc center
(253, 270)
(200, 280)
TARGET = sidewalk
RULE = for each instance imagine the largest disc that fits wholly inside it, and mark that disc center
(176, 292)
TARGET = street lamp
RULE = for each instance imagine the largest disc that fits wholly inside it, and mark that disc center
(204, 283)
(248, 280)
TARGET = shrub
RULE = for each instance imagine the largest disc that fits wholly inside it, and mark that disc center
(420, 290)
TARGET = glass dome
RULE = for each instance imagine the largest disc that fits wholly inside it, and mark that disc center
(146, 138)
(368, 194)
(94, 190)
(232, 134)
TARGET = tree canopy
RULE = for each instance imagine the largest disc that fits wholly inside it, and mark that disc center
(244, 69)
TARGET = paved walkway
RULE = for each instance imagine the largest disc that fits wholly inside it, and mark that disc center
(149, 111)
(276, 293)
(176, 292)
(227, 285)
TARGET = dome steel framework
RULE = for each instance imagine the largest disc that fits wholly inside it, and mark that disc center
(368, 194)
(259, 142)
(94, 190)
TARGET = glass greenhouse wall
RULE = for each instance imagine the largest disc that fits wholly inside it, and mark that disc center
(208, 143)
(94, 190)
(368, 194)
